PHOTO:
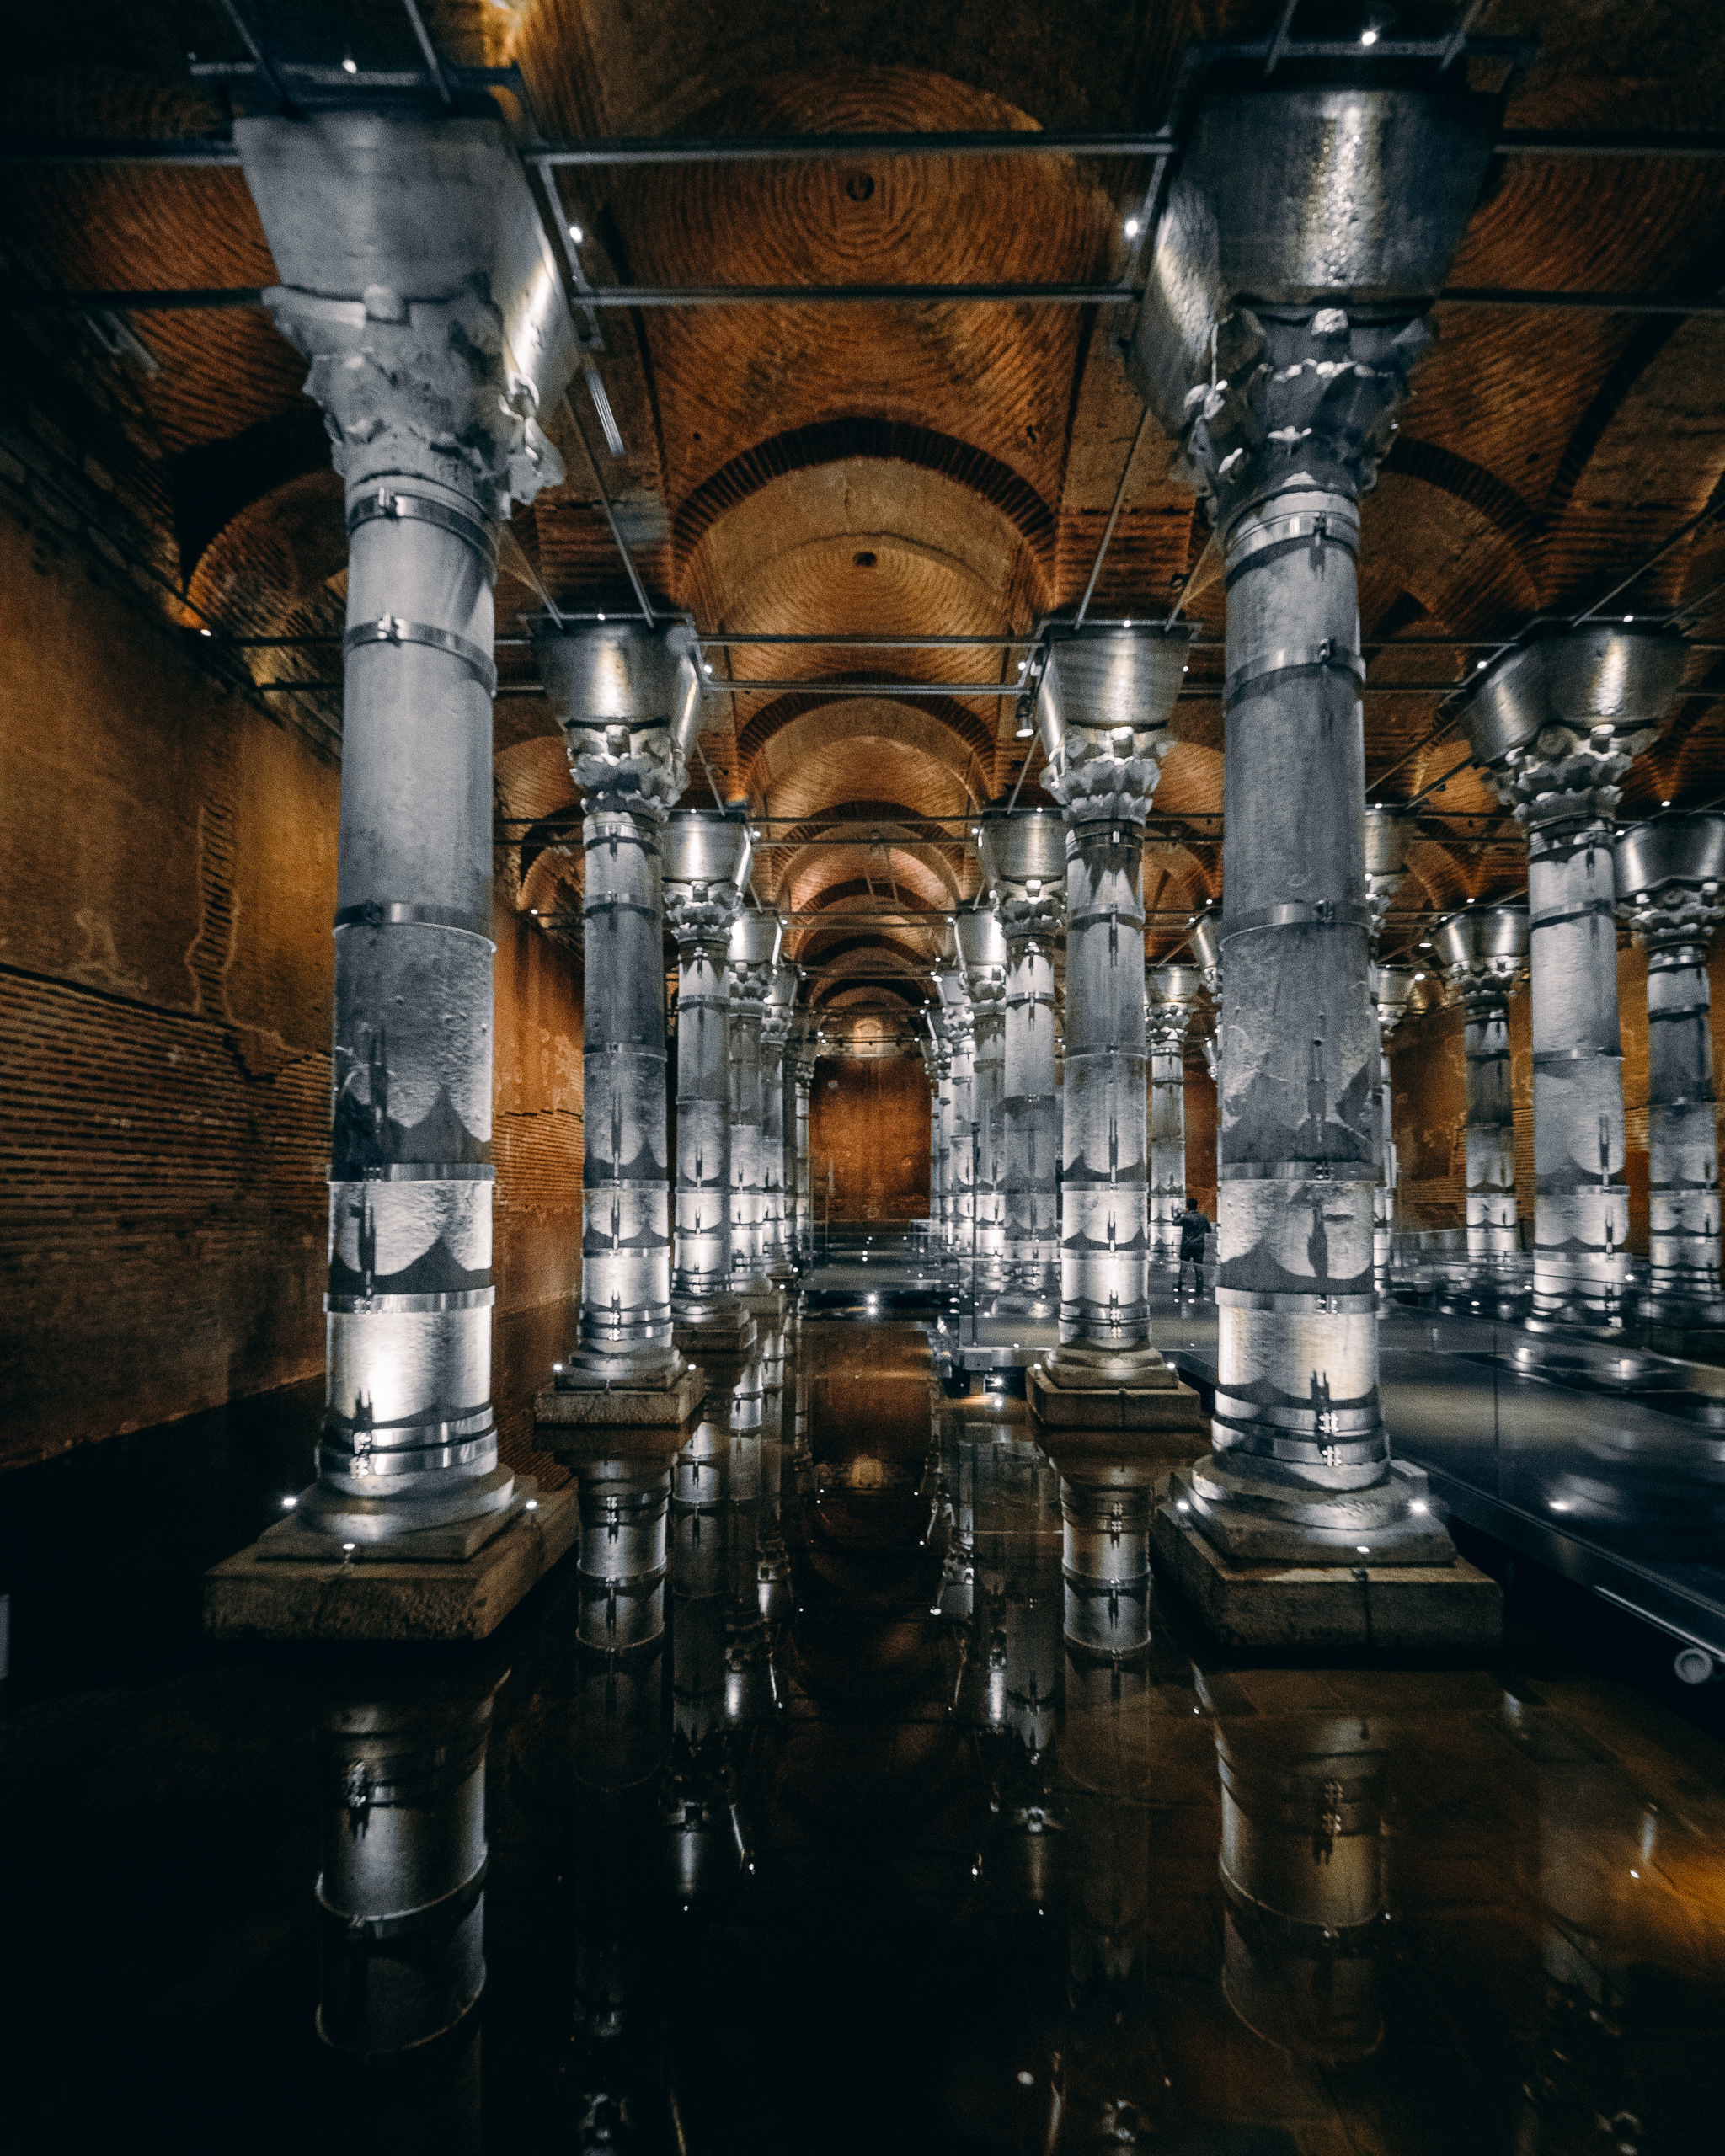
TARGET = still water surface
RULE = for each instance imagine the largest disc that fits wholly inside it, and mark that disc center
(823, 1806)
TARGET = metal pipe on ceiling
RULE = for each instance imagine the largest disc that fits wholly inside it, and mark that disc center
(762, 149)
(210, 297)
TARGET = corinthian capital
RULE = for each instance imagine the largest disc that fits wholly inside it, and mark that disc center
(700, 913)
(1308, 397)
(423, 386)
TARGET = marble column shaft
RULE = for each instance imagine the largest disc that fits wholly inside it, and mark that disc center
(751, 975)
(984, 951)
(626, 1316)
(775, 1032)
(700, 918)
(385, 231)
(959, 1101)
(1103, 1205)
(1675, 926)
(1030, 1104)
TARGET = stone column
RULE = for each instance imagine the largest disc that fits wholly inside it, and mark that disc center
(775, 1033)
(1206, 942)
(1557, 723)
(1670, 873)
(804, 1069)
(385, 231)
(1108, 695)
(1483, 952)
(982, 948)
(1391, 988)
(960, 1103)
(628, 698)
(934, 1057)
(706, 870)
(1388, 834)
(1173, 991)
(1024, 858)
(1285, 407)
(754, 953)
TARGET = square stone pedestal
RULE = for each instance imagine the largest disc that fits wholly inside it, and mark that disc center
(1077, 1399)
(641, 1407)
(1448, 1610)
(408, 1589)
(721, 1340)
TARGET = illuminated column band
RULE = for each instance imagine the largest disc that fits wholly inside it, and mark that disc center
(386, 231)
(1671, 883)
(1173, 991)
(1024, 858)
(754, 954)
(1276, 341)
(1483, 952)
(706, 869)
(1557, 725)
(1108, 695)
(628, 698)
(982, 948)
(775, 1195)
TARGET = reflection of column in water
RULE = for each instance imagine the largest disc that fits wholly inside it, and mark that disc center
(1107, 1560)
(1105, 1764)
(618, 1744)
(747, 1689)
(958, 1572)
(772, 1562)
(1611, 1945)
(697, 1805)
(401, 1889)
(1302, 1882)
(622, 1553)
(699, 1583)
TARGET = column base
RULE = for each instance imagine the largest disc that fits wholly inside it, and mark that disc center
(415, 1587)
(1451, 1608)
(577, 1403)
(1112, 1392)
(1252, 1518)
(730, 1334)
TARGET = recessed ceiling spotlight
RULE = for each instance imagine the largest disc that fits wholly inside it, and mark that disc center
(1132, 227)
(576, 234)
(1368, 38)
(350, 66)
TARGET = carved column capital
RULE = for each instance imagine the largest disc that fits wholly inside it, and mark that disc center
(1676, 917)
(421, 387)
(702, 913)
(1106, 776)
(1307, 399)
(1565, 781)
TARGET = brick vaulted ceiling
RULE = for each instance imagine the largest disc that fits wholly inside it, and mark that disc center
(910, 470)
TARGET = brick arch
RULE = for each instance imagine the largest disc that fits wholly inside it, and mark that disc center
(832, 441)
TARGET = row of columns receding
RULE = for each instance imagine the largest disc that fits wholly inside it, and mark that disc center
(431, 372)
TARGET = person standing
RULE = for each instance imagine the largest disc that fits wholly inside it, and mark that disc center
(1194, 1233)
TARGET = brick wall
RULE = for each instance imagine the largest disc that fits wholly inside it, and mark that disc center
(165, 972)
(870, 1121)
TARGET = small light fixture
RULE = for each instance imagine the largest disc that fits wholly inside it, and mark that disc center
(1560, 1504)
(288, 1504)
(1666, 803)
(1479, 666)
(1629, 618)
(576, 234)
(1364, 1548)
(348, 1548)
(534, 910)
(1132, 227)
(1368, 38)
(1419, 1505)
(350, 66)
(206, 633)
(532, 1504)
